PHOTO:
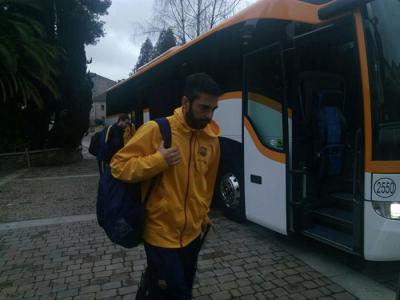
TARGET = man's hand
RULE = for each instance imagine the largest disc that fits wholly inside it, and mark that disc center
(171, 155)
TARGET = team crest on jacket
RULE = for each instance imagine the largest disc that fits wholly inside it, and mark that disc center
(202, 151)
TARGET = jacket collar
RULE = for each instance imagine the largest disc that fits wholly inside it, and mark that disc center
(212, 129)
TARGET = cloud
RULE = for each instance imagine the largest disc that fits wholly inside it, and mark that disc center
(115, 55)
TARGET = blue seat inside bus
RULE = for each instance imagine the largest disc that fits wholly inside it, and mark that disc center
(331, 126)
(320, 124)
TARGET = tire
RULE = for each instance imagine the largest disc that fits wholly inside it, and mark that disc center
(230, 194)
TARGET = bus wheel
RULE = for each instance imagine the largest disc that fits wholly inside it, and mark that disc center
(230, 196)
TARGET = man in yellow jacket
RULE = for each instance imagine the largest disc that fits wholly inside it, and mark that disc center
(178, 206)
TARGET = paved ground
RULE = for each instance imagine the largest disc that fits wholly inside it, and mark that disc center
(52, 248)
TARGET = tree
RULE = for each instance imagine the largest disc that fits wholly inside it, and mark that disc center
(27, 61)
(77, 25)
(145, 55)
(43, 70)
(190, 18)
(166, 40)
(29, 68)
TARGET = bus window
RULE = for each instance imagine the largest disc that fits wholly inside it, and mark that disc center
(265, 94)
(384, 58)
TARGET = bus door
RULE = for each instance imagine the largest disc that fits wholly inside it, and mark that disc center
(326, 157)
(265, 139)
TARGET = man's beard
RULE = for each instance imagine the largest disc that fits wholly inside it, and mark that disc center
(195, 123)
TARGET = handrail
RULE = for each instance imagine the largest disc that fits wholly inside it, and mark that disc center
(302, 171)
(356, 162)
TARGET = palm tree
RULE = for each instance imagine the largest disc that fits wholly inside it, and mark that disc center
(28, 64)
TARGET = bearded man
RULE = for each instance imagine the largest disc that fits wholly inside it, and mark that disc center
(178, 205)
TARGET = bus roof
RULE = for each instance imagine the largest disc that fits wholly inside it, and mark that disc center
(296, 10)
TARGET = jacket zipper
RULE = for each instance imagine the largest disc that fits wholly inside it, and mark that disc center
(187, 188)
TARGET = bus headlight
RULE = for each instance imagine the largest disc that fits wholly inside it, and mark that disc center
(395, 210)
(389, 210)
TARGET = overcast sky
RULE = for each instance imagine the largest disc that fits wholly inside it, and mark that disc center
(115, 55)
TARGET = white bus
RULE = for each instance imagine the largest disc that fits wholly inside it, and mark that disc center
(310, 117)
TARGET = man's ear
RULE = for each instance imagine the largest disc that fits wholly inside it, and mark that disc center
(185, 102)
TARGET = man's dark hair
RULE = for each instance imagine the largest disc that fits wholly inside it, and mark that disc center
(123, 117)
(200, 83)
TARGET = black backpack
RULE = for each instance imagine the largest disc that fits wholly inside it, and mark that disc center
(120, 211)
(95, 141)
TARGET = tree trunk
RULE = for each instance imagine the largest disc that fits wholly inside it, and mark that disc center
(183, 38)
(198, 17)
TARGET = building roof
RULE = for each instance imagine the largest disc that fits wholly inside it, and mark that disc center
(100, 98)
(100, 84)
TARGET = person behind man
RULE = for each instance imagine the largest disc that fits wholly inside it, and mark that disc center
(129, 131)
(178, 206)
(115, 137)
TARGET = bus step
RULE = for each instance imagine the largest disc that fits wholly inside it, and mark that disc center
(339, 218)
(342, 199)
(330, 236)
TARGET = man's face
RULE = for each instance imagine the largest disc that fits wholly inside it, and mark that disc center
(124, 123)
(200, 112)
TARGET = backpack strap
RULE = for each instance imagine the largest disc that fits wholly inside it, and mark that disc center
(107, 134)
(106, 138)
(165, 129)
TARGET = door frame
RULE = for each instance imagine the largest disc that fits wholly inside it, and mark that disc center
(285, 118)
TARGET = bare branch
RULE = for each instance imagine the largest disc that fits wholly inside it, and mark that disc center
(190, 18)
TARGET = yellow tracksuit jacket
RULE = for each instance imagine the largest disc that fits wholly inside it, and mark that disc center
(180, 201)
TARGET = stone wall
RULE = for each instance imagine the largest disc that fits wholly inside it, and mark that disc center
(37, 158)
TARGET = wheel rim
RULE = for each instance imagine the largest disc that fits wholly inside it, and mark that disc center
(230, 191)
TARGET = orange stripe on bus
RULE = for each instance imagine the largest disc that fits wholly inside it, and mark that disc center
(365, 89)
(266, 101)
(276, 156)
(384, 167)
(275, 105)
(231, 95)
(257, 98)
(269, 102)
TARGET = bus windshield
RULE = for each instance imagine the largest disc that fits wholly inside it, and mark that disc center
(384, 57)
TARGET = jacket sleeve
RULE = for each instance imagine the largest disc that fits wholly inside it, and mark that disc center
(211, 178)
(140, 159)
